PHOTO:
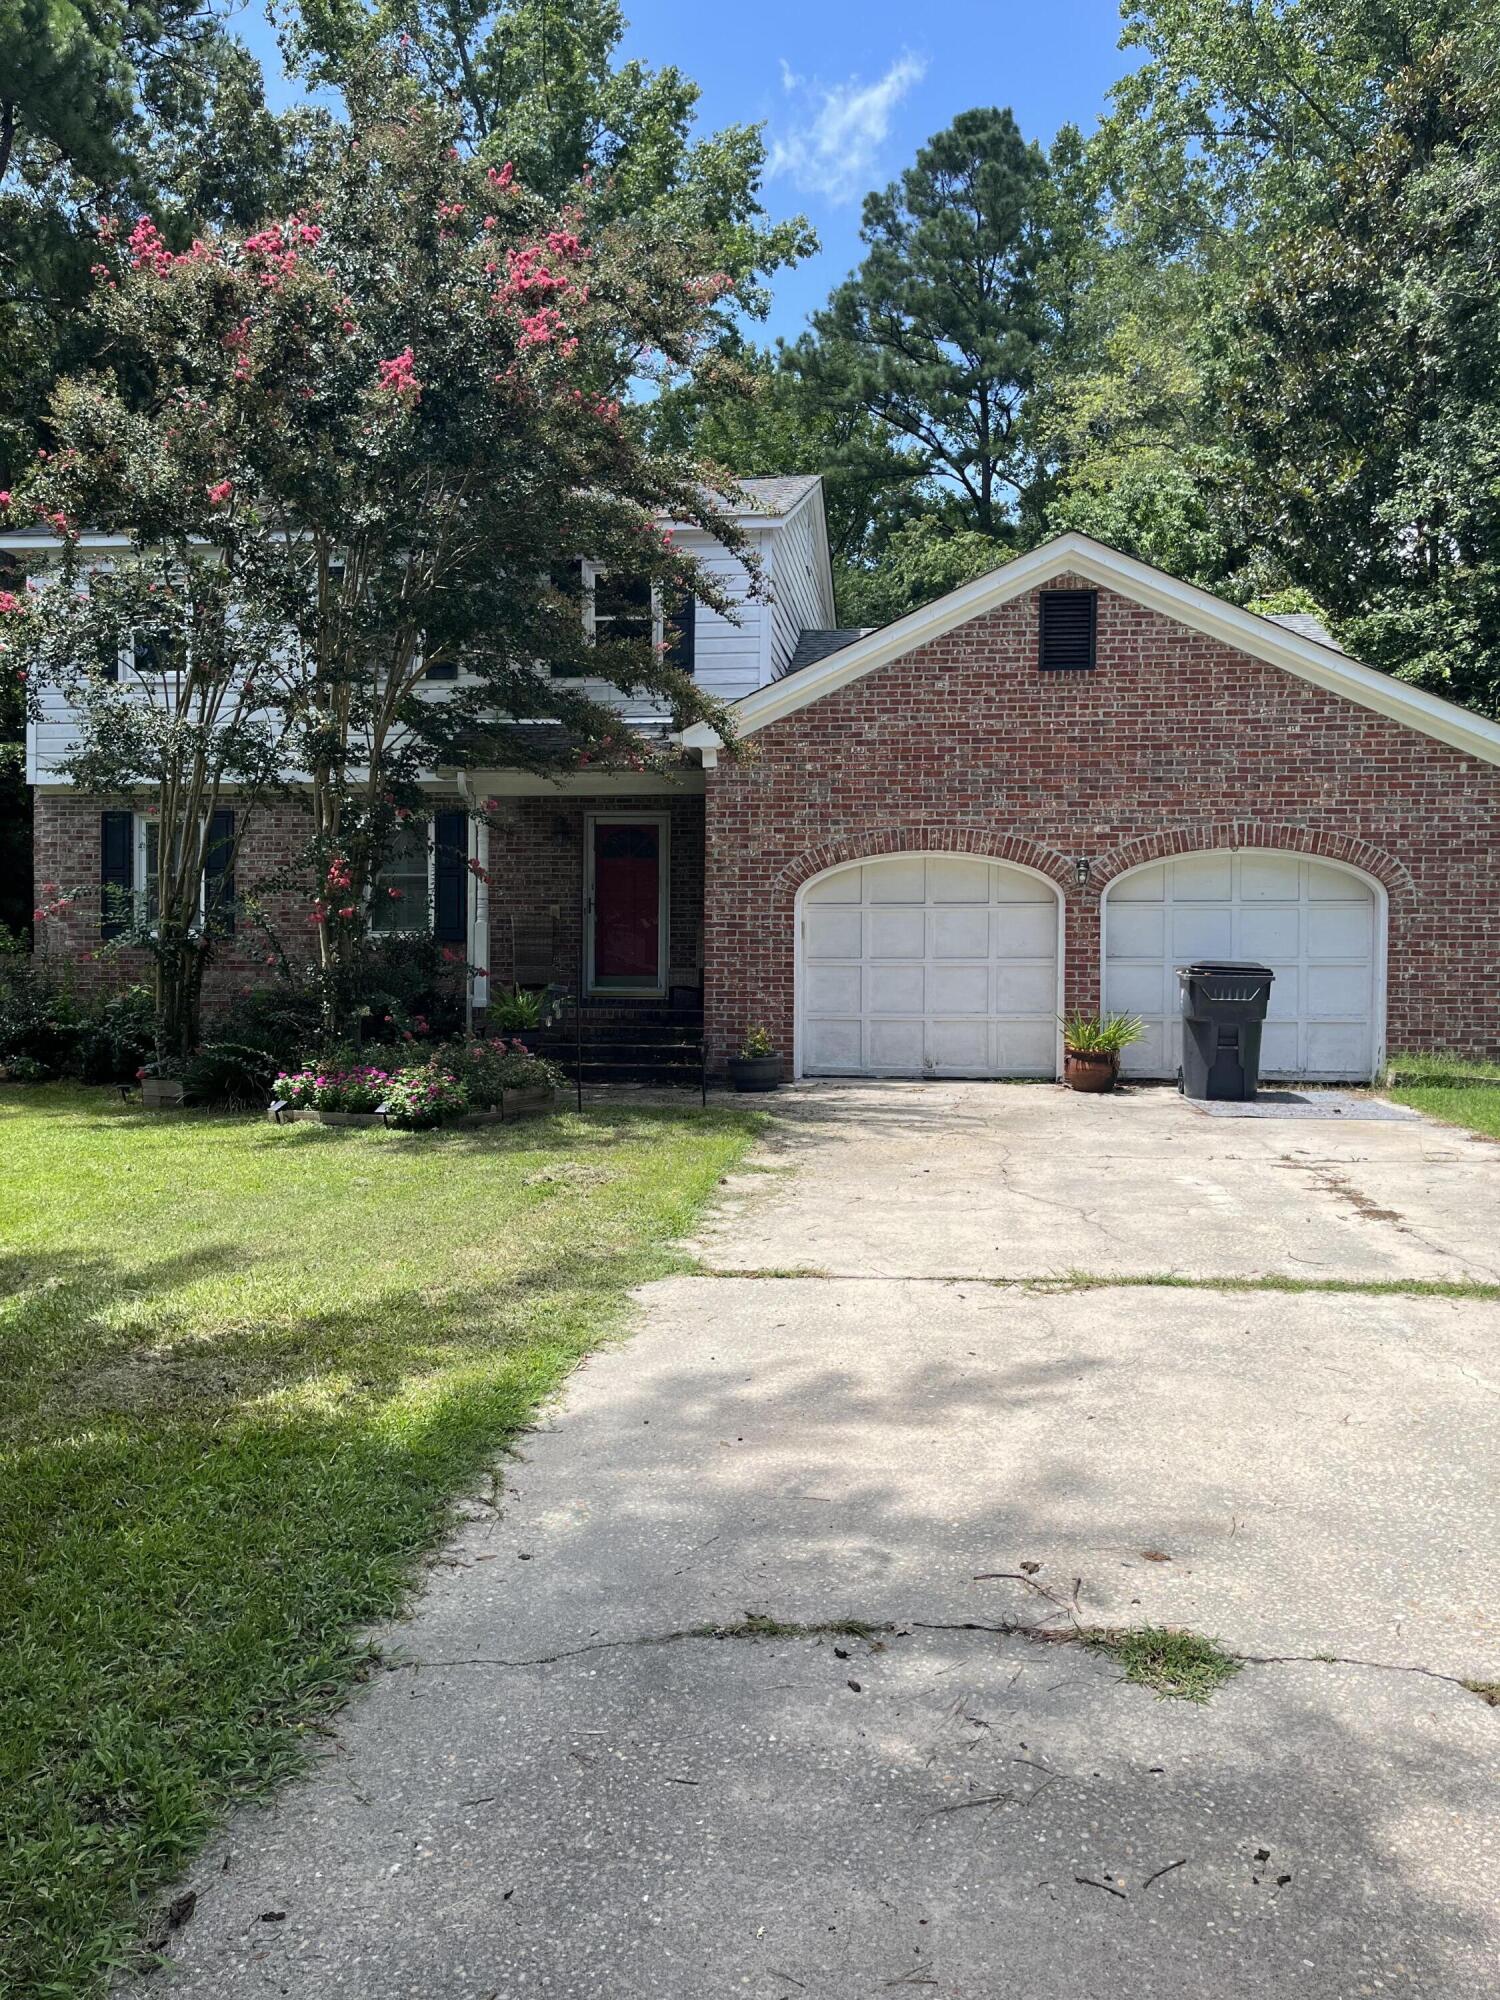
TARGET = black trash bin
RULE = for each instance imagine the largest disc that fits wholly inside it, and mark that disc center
(1223, 1007)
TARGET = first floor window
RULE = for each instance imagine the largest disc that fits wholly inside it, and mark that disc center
(401, 897)
(147, 869)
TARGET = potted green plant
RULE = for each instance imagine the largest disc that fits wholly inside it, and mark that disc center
(1092, 1046)
(757, 1066)
(517, 1012)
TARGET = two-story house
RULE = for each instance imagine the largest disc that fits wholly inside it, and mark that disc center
(1047, 789)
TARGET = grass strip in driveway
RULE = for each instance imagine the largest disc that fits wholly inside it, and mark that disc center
(245, 1372)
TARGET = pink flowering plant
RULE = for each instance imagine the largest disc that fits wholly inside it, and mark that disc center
(356, 453)
(360, 1087)
(424, 1096)
(488, 1069)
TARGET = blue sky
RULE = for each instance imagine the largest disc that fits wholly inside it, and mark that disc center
(848, 89)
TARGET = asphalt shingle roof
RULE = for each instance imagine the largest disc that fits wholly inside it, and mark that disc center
(779, 495)
(814, 646)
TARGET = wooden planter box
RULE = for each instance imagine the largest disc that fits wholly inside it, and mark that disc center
(162, 1093)
(518, 1104)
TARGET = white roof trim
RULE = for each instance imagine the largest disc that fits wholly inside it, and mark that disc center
(1200, 610)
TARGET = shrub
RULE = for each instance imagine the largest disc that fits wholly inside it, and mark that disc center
(231, 1074)
(116, 1037)
(424, 1096)
(281, 1020)
(39, 1024)
(486, 1069)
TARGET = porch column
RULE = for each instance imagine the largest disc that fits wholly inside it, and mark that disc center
(479, 913)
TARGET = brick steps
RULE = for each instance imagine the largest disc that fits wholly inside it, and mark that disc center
(614, 1043)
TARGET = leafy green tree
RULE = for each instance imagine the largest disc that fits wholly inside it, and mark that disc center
(922, 558)
(1360, 375)
(747, 412)
(936, 335)
(1317, 184)
(355, 450)
(539, 83)
(101, 105)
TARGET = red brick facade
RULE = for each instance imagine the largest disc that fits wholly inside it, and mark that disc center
(67, 836)
(536, 872)
(1173, 743)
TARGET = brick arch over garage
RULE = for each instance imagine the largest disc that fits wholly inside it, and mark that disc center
(918, 838)
(1317, 843)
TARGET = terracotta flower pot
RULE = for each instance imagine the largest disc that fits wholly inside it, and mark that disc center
(1090, 1072)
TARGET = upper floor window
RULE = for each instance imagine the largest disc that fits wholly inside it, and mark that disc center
(617, 605)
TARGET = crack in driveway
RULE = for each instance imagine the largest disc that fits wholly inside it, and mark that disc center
(762, 1629)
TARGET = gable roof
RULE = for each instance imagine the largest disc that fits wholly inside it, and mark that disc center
(1079, 555)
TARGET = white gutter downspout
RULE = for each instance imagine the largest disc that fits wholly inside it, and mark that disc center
(477, 984)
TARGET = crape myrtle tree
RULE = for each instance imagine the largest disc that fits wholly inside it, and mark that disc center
(364, 445)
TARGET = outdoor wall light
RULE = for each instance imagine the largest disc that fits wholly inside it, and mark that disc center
(1081, 871)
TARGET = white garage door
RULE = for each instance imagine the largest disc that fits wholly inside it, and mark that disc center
(1313, 924)
(929, 965)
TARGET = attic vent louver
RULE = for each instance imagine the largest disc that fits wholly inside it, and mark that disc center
(1068, 622)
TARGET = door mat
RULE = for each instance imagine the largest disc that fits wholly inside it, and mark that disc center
(1309, 1104)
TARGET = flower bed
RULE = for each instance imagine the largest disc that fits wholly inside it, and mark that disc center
(469, 1082)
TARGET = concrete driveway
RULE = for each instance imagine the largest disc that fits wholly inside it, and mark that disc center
(623, 1750)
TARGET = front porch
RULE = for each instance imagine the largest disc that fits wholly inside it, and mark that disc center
(601, 895)
(598, 896)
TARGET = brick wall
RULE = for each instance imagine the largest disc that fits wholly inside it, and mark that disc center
(1175, 742)
(67, 832)
(536, 871)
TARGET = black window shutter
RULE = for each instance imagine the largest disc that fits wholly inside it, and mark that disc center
(682, 632)
(218, 872)
(450, 877)
(567, 581)
(116, 872)
(1067, 623)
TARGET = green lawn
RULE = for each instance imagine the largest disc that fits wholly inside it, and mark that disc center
(1460, 1093)
(245, 1369)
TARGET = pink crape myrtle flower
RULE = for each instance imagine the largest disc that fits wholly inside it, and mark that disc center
(398, 375)
(220, 492)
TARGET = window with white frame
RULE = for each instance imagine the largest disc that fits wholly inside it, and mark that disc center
(148, 870)
(617, 605)
(401, 896)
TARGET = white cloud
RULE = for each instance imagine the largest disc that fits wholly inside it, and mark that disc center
(833, 149)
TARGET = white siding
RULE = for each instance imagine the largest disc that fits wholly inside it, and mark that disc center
(800, 595)
(49, 738)
(731, 657)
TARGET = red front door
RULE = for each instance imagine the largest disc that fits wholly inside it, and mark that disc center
(627, 903)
